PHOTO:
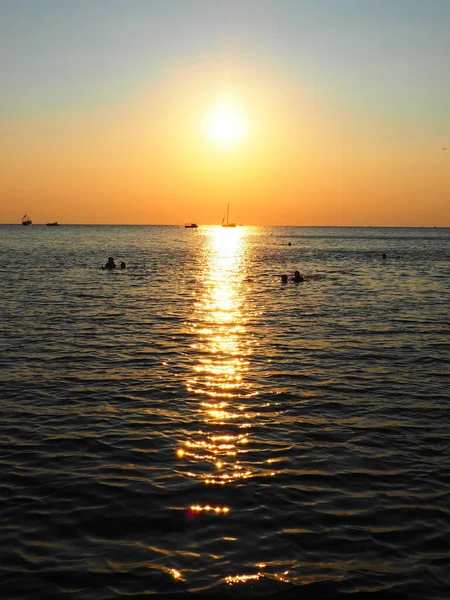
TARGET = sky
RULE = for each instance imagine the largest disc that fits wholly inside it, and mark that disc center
(295, 112)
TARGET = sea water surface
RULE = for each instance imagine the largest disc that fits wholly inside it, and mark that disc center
(189, 425)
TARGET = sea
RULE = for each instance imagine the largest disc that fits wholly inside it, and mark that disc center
(191, 427)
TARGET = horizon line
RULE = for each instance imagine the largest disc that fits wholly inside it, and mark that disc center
(239, 225)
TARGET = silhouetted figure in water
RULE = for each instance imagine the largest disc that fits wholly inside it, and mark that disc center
(297, 277)
(110, 264)
(122, 265)
(284, 279)
(384, 256)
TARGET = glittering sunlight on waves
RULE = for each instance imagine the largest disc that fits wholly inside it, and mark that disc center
(215, 452)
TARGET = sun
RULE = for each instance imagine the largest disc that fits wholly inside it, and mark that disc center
(226, 128)
(225, 125)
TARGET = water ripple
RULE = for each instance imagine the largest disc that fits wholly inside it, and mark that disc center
(220, 433)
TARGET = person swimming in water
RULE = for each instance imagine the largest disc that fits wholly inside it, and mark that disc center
(122, 265)
(297, 277)
(110, 264)
(284, 279)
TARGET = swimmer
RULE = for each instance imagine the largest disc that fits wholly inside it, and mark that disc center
(297, 277)
(284, 279)
(384, 256)
(122, 265)
(110, 264)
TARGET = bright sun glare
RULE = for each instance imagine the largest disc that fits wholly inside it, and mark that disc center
(225, 125)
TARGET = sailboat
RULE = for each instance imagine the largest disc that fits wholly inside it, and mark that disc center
(26, 220)
(225, 221)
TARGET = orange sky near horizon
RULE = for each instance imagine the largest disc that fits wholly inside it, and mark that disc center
(149, 162)
(138, 155)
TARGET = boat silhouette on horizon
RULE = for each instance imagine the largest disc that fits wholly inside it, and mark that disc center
(225, 221)
(26, 221)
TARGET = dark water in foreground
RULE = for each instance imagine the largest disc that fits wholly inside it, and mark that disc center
(191, 426)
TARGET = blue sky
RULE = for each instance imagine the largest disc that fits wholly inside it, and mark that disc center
(376, 54)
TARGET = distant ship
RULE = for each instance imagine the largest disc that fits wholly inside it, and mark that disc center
(225, 221)
(191, 225)
(53, 224)
(26, 220)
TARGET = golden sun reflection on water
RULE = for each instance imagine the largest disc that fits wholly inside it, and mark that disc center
(215, 453)
(234, 579)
